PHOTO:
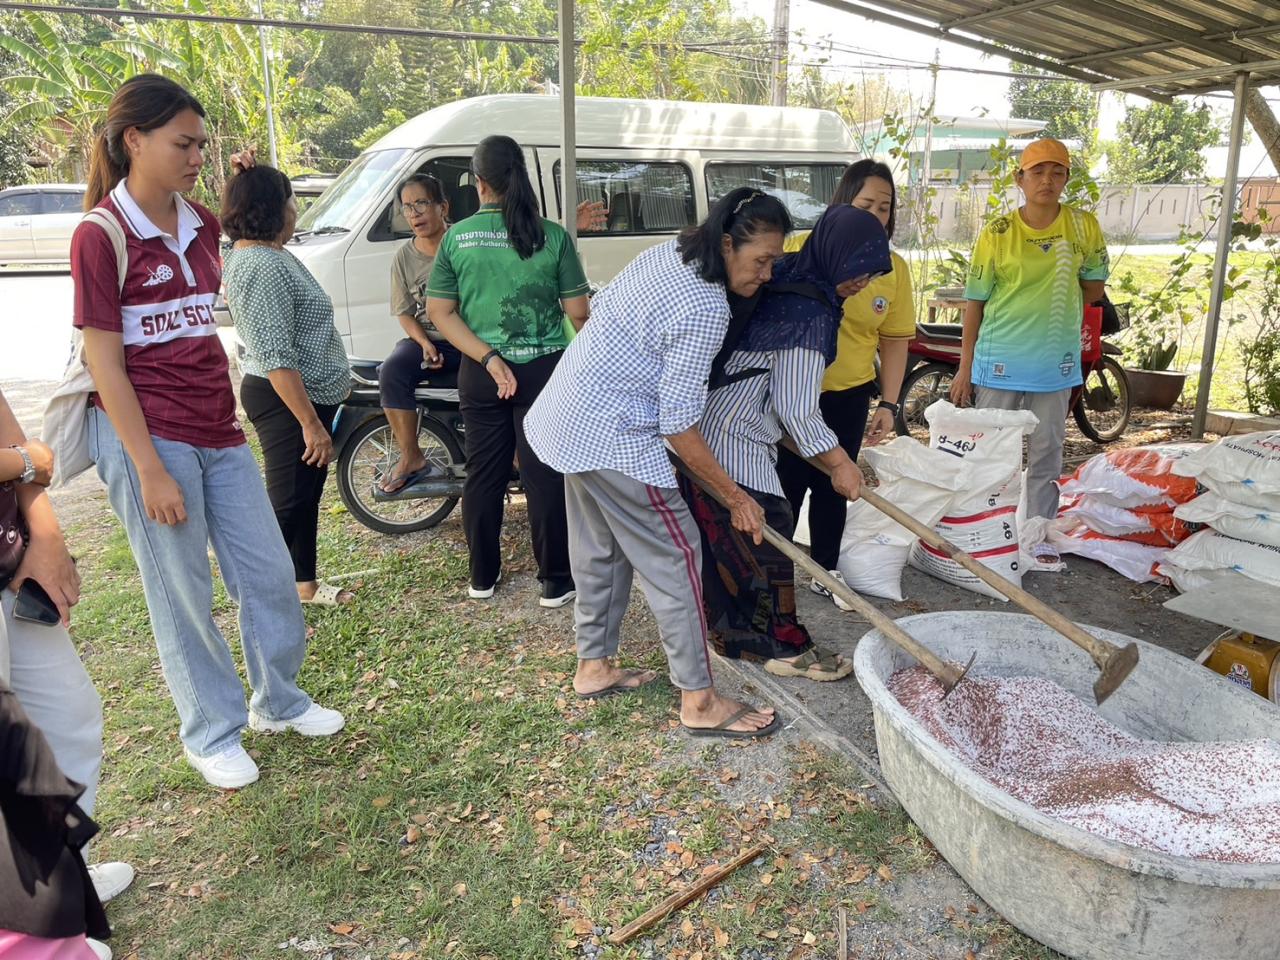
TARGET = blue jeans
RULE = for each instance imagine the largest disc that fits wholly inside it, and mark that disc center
(227, 507)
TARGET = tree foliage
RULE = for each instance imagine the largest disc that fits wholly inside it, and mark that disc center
(1162, 143)
(1070, 108)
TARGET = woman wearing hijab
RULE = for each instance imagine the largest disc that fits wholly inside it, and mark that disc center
(764, 386)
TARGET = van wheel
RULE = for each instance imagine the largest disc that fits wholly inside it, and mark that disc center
(370, 453)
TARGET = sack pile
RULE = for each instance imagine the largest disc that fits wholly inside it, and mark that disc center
(923, 482)
(1120, 508)
(1240, 507)
(983, 519)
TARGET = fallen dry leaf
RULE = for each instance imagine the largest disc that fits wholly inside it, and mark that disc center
(885, 873)
(381, 802)
(343, 929)
(722, 939)
(686, 927)
(808, 939)
(542, 815)
(582, 926)
(459, 889)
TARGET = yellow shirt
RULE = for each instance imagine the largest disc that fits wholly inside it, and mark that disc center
(884, 309)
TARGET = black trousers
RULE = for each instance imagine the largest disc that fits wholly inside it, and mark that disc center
(845, 412)
(293, 487)
(494, 435)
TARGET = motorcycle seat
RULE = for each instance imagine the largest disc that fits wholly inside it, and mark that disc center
(365, 372)
(940, 331)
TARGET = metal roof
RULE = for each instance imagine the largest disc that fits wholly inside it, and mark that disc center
(1158, 48)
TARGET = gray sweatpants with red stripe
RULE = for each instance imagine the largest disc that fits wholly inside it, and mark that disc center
(620, 528)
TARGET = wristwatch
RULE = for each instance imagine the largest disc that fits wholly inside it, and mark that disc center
(29, 468)
(889, 405)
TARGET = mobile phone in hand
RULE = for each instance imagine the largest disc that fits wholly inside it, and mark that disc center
(35, 605)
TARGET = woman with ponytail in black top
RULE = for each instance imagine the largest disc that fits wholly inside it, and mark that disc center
(502, 283)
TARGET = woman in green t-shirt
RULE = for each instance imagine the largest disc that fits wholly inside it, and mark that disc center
(502, 283)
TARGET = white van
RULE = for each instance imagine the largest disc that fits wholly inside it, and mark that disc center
(656, 165)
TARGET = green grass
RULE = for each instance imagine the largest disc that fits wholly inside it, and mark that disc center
(473, 807)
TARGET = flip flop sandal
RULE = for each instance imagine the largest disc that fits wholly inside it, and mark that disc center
(326, 596)
(814, 664)
(722, 729)
(409, 479)
(618, 688)
(1046, 554)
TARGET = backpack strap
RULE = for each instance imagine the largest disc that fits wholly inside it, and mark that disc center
(115, 233)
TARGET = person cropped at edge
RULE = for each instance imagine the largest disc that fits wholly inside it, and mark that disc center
(39, 664)
(424, 353)
(770, 387)
(633, 382)
(1030, 276)
(502, 283)
(881, 318)
(163, 432)
(295, 368)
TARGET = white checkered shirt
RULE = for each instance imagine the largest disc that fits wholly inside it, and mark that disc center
(744, 420)
(635, 374)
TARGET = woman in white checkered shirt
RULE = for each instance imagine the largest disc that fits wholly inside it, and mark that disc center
(633, 382)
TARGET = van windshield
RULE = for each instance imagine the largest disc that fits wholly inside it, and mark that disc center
(342, 207)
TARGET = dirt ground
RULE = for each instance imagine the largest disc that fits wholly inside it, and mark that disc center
(838, 716)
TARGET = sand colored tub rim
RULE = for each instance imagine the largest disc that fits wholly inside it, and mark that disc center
(951, 636)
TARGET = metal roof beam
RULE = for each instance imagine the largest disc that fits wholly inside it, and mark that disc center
(1025, 7)
(1130, 14)
(1208, 73)
(931, 30)
(1156, 47)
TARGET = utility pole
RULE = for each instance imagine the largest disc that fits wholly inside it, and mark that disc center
(781, 41)
(267, 93)
(926, 173)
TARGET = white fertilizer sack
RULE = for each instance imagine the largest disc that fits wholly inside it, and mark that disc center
(1239, 520)
(983, 521)
(918, 480)
(1209, 550)
(1244, 469)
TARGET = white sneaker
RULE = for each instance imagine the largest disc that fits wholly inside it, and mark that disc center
(110, 879)
(317, 721)
(820, 590)
(484, 593)
(100, 949)
(231, 769)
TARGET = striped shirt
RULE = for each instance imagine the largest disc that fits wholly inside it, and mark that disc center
(164, 315)
(635, 374)
(745, 420)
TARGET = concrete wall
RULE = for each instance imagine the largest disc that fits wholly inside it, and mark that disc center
(1145, 213)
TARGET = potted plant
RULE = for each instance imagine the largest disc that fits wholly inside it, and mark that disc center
(1151, 344)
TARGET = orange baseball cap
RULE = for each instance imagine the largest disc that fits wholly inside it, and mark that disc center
(1047, 150)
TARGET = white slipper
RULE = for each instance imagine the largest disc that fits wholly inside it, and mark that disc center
(326, 595)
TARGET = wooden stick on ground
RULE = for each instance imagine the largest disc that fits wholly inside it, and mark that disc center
(842, 934)
(677, 900)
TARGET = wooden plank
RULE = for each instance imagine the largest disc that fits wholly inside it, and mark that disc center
(1236, 602)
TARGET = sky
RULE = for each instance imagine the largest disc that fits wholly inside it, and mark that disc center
(960, 94)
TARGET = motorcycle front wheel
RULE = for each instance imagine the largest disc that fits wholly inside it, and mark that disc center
(922, 387)
(1103, 407)
(371, 453)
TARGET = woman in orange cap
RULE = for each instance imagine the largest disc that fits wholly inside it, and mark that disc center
(1031, 274)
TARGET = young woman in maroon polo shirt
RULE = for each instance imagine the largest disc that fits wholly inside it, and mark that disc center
(164, 434)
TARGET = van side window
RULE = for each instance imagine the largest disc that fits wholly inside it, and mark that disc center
(805, 188)
(19, 205)
(454, 174)
(62, 202)
(642, 196)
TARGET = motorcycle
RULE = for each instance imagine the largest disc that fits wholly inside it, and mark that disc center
(1101, 404)
(366, 451)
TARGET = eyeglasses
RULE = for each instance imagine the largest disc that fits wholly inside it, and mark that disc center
(418, 206)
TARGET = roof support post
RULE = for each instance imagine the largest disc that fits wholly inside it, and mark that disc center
(568, 124)
(1225, 221)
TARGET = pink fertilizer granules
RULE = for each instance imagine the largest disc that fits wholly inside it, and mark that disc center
(1039, 743)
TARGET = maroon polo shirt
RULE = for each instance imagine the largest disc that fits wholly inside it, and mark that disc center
(164, 313)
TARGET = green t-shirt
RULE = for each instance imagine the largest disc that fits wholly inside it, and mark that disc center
(511, 304)
(1030, 279)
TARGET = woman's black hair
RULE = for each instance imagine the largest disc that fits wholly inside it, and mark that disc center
(253, 203)
(499, 162)
(743, 214)
(434, 188)
(856, 176)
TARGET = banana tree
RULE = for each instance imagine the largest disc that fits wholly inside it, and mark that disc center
(64, 85)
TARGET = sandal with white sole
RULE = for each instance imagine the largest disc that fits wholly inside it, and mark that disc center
(327, 595)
